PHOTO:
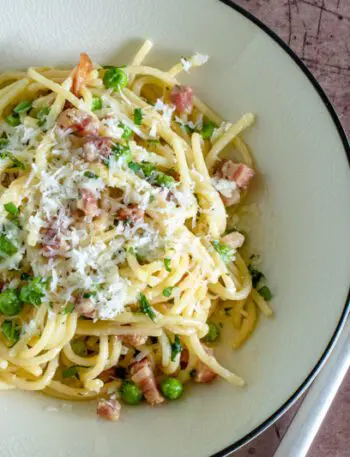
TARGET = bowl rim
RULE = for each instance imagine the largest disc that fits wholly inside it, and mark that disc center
(346, 311)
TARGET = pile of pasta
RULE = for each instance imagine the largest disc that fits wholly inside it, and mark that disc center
(116, 258)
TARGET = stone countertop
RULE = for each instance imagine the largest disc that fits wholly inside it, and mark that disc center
(319, 33)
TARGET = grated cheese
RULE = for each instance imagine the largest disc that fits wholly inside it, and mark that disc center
(167, 110)
(186, 64)
(153, 131)
(224, 186)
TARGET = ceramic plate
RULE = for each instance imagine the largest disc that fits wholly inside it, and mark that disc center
(303, 234)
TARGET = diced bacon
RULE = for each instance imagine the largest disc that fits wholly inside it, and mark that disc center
(81, 73)
(85, 307)
(243, 176)
(235, 240)
(108, 409)
(237, 172)
(108, 375)
(79, 122)
(88, 203)
(182, 98)
(52, 243)
(184, 359)
(130, 213)
(95, 147)
(133, 340)
(204, 374)
(143, 376)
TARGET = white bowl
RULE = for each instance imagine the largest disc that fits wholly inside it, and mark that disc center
(299, 147)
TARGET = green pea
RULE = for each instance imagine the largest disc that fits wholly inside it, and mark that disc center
(10, 304)
(115, 78)
(171, 388)
(131, 393)
(12, 120)
(79, 347)
(213, 333)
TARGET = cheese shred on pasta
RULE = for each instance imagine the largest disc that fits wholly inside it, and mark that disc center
(114, 242)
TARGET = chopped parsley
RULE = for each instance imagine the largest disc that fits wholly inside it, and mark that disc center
(11, 332)
(42, 115)
(145, 307)
(69, 308)
(122, 151)
(176, 348)
(79, 347)
(96, 103)
(25, 276)
(11, 208)
(33, 292)
(15, 162)
(148, 171)
(256, 275)
(143, 169)
(223, 250)
(12, 120)
(23, 107)
(127, 132)
(138, 116)
(71, 372)
(265, 292)
(3, 143)
(163, 180)
(167, 264)
(90, 174)
(7, 248)
(213, 333)
(208, 130)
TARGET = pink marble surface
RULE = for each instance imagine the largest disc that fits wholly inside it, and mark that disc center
(319, 32)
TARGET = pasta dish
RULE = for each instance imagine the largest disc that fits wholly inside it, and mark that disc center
(118, 262)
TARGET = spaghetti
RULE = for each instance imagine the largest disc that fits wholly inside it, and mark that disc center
(115, 259)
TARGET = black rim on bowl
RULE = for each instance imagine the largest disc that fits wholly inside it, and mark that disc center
(311, 376)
